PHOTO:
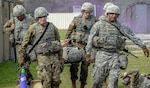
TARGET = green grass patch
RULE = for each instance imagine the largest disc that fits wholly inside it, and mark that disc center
(8, 74)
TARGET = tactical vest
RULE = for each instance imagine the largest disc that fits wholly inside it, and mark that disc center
(82, 31)
(110, 37)
(48, 43)
(21, 27)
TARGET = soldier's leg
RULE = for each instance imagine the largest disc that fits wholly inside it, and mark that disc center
(26, 67)
(114, 73)
(99, 76)
(29, 75)
(74, 73)
(83, 73)
(56, 73)
(44, 70)
(105, 84)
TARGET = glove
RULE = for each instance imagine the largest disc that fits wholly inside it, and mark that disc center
(88, 58)
(146, 51)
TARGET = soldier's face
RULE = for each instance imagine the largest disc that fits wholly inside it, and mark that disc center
(86, 14)
(42, 20)
(21, 17)
(112, 17)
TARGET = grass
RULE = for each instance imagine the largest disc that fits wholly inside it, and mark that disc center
(9, 75)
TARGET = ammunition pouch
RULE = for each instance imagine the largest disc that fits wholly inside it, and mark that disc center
(32, 55)
(109, 42)
(98, 42)
(123, 61)
(48, 48)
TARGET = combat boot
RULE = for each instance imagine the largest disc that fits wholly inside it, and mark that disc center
(73, 83)
(104, 84)
(82, 85)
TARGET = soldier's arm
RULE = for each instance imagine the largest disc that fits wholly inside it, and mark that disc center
(7, 26)
(93, 33)
(130, 35)
(27, 37)
(60, 53)
(57, 36)
(72, 26)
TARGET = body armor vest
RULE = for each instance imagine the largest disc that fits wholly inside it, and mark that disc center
(21, 27)
(111, 36)
(82, 31)
(48, 43)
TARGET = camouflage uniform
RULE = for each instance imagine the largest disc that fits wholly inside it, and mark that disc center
(19, 31)
(109, 44)
(133, 79)
(78, 32)
(48, 50)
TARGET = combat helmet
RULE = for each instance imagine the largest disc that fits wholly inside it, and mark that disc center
(106, 5)
(18, 10)
(113, 9)
(40, 12)
(87, 6)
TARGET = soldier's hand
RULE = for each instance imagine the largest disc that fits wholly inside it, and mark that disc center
(88, 58)
(65, 42)
(146, 51)
(12, 26)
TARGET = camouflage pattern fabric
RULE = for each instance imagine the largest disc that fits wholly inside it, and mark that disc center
(78, 32)
(133, 79)
(49, 63)
(109, 49)
(22, 26)
(48, 70)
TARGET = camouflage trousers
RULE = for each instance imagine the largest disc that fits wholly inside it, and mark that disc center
(106, 64)
(84, 69)
(26, 67)
(48, 70)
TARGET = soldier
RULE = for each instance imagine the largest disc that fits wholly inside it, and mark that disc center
(78, 32)
(48, 49)
(109, 45)
(104, 9)
(16, 28)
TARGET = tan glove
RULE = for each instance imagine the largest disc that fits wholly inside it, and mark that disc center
(88, 58)
(146, 51)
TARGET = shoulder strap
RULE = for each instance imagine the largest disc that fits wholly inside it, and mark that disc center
(38, 38)
(118, 28)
